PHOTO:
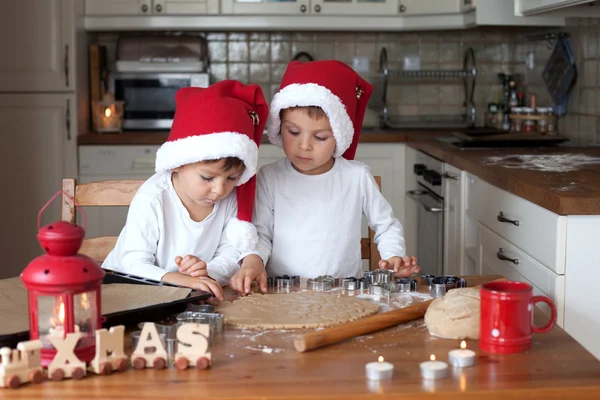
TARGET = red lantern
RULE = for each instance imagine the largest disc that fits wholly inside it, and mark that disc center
(63, 290)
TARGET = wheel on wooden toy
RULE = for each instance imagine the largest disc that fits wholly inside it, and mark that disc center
(139, 363)
(106, 368)
(202, 363)
(122, 364)
(78, 373)
(159, 363)
(13, 382)
(57, 375)
(181, 363)
(36, 376)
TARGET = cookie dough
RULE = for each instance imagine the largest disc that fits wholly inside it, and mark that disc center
(296, 310)
(456, 315)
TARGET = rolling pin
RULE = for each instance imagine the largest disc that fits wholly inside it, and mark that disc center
(316, 339)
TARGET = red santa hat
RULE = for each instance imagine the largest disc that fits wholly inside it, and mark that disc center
(226, 119)
(332, 85)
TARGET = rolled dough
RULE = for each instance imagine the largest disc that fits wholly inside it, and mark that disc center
(296, 310)
(456, 315)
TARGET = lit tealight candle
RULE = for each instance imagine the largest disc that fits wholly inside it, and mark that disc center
(379, 370)
(433, 369)
(463, 357)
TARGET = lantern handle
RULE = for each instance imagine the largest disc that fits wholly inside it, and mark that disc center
(70, 198)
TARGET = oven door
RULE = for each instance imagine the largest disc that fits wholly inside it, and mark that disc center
(430, 230)
(149, 98)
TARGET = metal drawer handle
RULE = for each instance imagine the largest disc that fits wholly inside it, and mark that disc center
(448, 175)
(500, 255)
(502, 218)
(416, 194)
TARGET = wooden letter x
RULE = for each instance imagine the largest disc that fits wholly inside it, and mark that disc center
(65, 359)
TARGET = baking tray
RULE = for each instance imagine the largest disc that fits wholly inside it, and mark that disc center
(154, 312)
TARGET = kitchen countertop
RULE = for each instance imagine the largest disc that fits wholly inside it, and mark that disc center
(575, 192)
(556, 367)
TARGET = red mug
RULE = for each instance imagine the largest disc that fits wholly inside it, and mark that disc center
(506, 320)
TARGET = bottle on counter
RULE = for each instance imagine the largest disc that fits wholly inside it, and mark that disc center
(513, 100)
(528, 123)
(517, 123)
(546, 125)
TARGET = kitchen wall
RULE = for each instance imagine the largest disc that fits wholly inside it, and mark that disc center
(262, 57)
(582, 122)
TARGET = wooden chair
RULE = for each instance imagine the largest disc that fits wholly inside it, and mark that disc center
(120, 193)
(368, 248)
(103, 193)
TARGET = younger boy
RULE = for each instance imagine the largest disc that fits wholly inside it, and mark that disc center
(181, 226)
(309, 206)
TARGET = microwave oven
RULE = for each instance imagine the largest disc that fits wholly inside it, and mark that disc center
(150, 97)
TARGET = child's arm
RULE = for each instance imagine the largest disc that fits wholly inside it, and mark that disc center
(389, 234)
(204, 283)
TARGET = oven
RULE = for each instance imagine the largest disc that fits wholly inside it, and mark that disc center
(150, 97)
(429, 195)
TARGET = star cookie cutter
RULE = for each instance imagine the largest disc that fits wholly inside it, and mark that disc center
(323, 283)
(381, 277)
(379, 290)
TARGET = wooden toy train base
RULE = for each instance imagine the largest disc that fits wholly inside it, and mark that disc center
(23, 364)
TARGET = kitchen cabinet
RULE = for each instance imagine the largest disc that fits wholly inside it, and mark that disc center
(38, 150)
(454, 183)
(420, 7)
(570, 8)
(150, 7)
(38, 49)
(411, 208)
(312, 7)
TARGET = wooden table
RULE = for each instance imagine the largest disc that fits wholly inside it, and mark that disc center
(555, 368)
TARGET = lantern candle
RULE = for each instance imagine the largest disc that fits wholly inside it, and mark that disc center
(58, 329)
(463, 357)
(108, 116)
(433, 369)
(379, 370)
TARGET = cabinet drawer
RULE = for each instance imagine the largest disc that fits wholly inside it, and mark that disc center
(537, 231)
(545, 282)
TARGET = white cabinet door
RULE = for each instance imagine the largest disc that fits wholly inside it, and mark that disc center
(186, 7)
(420, 7)
(453, 220)
(118, 7)
(37, 51)
(533, 7)
(354, 7)
(265, 7)
(38, 150)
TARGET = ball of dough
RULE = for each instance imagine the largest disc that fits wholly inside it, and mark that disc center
(456, 315)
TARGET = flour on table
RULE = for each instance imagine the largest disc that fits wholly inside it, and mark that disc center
(396, 300)
(543, 162)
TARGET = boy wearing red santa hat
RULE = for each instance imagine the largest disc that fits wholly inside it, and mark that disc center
(189, 222)
(309, 206)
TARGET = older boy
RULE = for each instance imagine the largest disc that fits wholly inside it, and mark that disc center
(309, 206)
(182, 227)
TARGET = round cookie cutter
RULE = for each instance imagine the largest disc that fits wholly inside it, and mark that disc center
(441, 284)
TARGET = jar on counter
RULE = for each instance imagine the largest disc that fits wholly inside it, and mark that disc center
(528, 122)
(546, 122)
(517, 123)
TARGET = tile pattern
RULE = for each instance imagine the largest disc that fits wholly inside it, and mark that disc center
(261, 57)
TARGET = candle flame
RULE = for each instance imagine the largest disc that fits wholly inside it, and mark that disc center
(432, 357)
(463, 345)
(85, 303)
(107, 112)
(61, 313)
(380, 359)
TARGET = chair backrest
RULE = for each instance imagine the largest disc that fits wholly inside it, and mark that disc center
(368, 247)
(103, 193)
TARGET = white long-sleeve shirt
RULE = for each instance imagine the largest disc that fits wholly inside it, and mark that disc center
(159, 228)
(310, 225)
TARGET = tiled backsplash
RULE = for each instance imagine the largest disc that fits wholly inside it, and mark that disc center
(262, 57)
(582, 122)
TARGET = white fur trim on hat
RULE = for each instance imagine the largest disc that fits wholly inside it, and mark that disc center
(311, 94)
(242, 234)
(211, 146)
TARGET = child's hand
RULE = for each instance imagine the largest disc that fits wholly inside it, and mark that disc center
(252, 269)
(203, 283)
(191, 265)
(403, 266)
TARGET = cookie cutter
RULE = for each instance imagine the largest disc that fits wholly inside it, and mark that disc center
(381, 277)
(215, 320)
(353, 283)
(202, 308)
(323, 283)
(427, 280)
(407, 285)
(284, 281)
(379, 290)
(441, 284)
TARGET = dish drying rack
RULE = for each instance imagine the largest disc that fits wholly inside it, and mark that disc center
(389, 119)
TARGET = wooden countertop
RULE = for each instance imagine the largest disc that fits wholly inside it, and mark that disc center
(556, 367)
(574, 192)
